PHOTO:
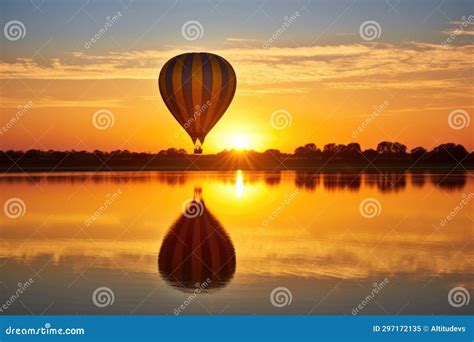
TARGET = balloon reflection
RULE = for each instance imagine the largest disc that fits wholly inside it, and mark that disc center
(197, 250)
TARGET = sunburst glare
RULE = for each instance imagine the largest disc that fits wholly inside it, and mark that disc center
(240, 141)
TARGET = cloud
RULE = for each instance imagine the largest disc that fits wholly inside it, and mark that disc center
(458, 32)
(48, 102)
(464, 27)
(242, 42)
(279, 69)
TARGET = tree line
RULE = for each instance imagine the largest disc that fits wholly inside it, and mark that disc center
(390, 154)
(386, 151)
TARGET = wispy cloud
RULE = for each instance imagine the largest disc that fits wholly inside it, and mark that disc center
(279, 69)
(458, 32)
(464, 27)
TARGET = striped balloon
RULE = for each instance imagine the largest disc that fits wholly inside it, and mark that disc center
(197, 251)
(197, 88)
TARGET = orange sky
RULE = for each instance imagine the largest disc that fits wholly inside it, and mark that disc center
(326, 89)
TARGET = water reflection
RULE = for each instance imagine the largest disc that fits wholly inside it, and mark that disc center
(384, 181)
(273, 179)
(318, 245)
(239, 184)
(307, 180)
(418, 178)
(451, 181)
(197, 250)
(387, 181)
(333, 181)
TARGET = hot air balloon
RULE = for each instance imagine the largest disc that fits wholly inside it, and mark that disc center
(197, 88)
(197, 252)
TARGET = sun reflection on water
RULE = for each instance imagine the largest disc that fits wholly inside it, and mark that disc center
(239, 184)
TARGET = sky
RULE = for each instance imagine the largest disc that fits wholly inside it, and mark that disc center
(307, 71)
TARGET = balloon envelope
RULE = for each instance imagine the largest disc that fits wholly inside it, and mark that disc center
(197, 88)
(197, 251)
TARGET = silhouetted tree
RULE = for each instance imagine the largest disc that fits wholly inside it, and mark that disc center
(350, 152)
(272, 152)
(418, 152)
(307, 151)
(449, 153)
(354, 147)
(329, 151)
(173, 152)
(370, 154)
(388, 148)
(470, 158)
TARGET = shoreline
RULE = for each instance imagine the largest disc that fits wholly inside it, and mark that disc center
(303, 168)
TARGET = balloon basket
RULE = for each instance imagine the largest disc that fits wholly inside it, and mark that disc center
(197, 147)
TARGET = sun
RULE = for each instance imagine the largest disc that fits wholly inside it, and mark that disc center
(240, 141)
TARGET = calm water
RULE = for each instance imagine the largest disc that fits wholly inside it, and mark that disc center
(254, 232)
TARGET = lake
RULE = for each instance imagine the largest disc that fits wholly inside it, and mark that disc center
(237, 242)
